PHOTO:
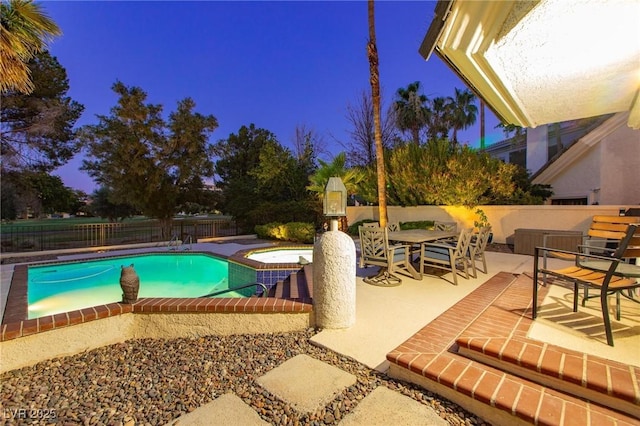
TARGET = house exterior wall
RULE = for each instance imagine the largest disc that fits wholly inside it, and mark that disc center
(620, 172)
(608, 172)
(582, 179)
(537, 148)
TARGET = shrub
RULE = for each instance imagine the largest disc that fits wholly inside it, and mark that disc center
(299, 232)
(419, 224)
(353, 229)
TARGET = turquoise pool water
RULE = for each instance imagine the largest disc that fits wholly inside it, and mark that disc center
(66, 287)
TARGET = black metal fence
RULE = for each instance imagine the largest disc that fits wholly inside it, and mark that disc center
(28, 238)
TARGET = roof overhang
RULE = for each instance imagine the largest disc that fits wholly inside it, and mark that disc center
(543, 61)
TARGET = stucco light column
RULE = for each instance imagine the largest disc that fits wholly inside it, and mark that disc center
(334, 265)
(334, 280)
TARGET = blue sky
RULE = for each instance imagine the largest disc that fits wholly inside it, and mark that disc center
(275, 64)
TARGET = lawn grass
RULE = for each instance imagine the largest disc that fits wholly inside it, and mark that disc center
(70, 221)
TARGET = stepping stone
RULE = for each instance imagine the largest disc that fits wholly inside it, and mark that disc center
(225, 410)
(306, 383)
(386, 407)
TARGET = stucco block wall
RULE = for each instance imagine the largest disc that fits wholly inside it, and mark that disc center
(504, 219)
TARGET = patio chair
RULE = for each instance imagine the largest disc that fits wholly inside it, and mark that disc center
(445, 226)
(477, 248)
(608, 274)
(375, 250)
(393, 226)
(447, 255)
(604, 234)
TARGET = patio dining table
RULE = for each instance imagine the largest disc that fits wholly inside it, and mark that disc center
(418, 236)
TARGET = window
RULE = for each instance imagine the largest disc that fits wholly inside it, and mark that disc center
(580, 201)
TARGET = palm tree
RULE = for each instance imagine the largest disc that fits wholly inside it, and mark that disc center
(482, 142)
(463, 111)
(351, 178)
(411, 112)
(438, 117)
(374, 79)
(24, 32)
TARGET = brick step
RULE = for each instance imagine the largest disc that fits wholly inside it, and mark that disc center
(606, 382)
(298, 286)
(308, 280)
(500, 309)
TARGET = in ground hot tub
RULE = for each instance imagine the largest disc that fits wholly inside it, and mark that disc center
(294, 255)
(268, 265)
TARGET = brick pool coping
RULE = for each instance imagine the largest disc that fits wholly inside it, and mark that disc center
(15, 323)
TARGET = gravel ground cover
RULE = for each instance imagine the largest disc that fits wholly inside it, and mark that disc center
(153, 381)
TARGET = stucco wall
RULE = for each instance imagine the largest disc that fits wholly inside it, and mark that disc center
(607, 172)
(504, 219)
(582, 179)
(58, 342)
(620, 174)
(537, 147)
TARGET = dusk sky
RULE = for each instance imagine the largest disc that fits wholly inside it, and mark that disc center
(274, 64)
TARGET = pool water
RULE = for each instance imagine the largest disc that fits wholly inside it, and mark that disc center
(65, 287)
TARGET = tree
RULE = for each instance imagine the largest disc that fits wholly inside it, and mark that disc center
(411, 111)
(153, 165)
(24, 32)
(440, 173)
(262, 181)
(463, 111)
(34, 192)
(238, 156)
(482, 125)
(305, 138)
(509, 129)
(102, 206)
(362, 146)
(53, 196)
(8, 200)
(438, 118)
(36, 130)
(374, 79)
(351, 178)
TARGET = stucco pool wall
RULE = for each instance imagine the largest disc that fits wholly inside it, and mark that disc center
(70, 339)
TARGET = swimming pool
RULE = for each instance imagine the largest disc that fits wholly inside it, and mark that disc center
(57, 288)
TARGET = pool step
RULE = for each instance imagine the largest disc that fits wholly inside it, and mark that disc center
(298, 286)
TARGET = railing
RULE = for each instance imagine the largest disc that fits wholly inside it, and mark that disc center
(183, 243)
(29, 238)
(240, 287)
